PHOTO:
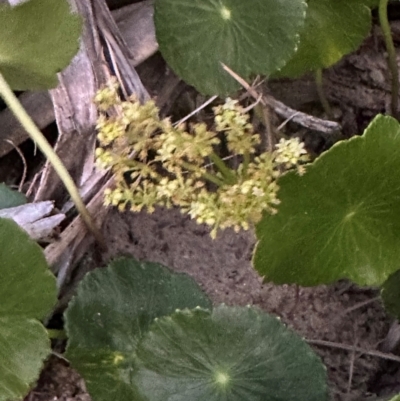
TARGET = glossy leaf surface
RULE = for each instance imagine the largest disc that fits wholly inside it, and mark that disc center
(342, 218)
(391, 294)
(332, 29)
(229, 354)
(196, 36)
(27, 293)
(38, 39)
(113, 308)
(10, 198)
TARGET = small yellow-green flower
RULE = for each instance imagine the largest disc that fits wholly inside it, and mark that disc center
(289, 152)
(158, 164)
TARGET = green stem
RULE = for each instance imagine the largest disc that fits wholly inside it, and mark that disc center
(321, 93)
(392, 63)
(56, 334)
(207, 176)
(226, 172)
(15, 106)
(264, 114)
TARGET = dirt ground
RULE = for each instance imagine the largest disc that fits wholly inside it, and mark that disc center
(341, 314)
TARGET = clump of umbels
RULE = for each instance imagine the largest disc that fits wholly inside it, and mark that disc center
(158, 163)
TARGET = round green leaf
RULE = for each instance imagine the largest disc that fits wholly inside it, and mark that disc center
(196, 36)
(342, 218)
(391, 294)
(27, 294)
(10, 198)
(38, 39)
(332, 29)
(112, 310)
(229, 354)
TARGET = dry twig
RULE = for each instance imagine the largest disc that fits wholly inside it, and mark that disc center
(303, 119)
(377, 354)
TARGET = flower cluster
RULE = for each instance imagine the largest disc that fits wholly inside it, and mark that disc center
(158, 163)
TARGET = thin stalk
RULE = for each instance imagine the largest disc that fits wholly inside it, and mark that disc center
(15, 106)
(321, 93)
(392, 62)
(246, 162)
(207, 176)
(226, 172)
(262, 111)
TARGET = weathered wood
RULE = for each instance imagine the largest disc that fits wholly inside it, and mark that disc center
(76, 118)
(120, 56)
(35, 218)
(136, 25)
(74, 241)
(74, 109)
